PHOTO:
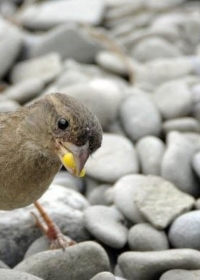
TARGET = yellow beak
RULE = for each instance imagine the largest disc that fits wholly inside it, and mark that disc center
(73, 157)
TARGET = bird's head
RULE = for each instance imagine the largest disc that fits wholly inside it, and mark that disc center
(62, 125)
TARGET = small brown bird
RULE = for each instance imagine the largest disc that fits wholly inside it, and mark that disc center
(34, 140)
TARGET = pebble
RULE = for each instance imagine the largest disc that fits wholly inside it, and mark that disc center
(98, 195)
(154, 48)
(8, 106)
(9, 249)
(150, 150)
(196, 111)
(186, 124)
(197, 204)
(194, 138)
(184, 231)
(195, 91)
(39, 245)
(119, 10)
(118, 272)
(196, 163)
(90, 185)
(156, 263)
(104, 276)
(116, 128)
(132, 38)
(180, 274)
(160, 202)
(116, 158)
(140, 117)
(8, 274)
(125, 190)
(176, 164)
(56, 264)
(49, 14)
(109, 196)
(8, 8)
(116, 3)
(105, 224)
(37, 68)
(174, 100)
(10, 45)
(75, 72)
(171, 22)
(65, 206)
(198, 50)
(24, 91)
(144, 237)
(195, 61)
(112, 62)
(123, 27)
(157, 72)
(3, 265)
(64, 197)
(83, 47)
(190, 34)
(163, 5)
(65, 179)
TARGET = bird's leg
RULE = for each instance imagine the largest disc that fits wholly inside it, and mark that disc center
(51, 230)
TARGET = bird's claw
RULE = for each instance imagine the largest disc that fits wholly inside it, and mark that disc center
(62, 242)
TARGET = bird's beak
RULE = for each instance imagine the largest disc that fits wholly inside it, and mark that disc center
(80, 155)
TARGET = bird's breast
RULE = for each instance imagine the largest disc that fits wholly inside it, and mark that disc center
(24, 180)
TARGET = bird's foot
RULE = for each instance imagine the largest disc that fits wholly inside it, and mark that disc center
(61, 241)
(51, 230)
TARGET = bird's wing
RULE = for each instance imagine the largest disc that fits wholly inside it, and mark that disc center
(9, 123)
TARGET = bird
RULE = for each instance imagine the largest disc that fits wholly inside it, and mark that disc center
(33, 142)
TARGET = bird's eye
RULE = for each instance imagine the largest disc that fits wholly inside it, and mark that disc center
(63, 124)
